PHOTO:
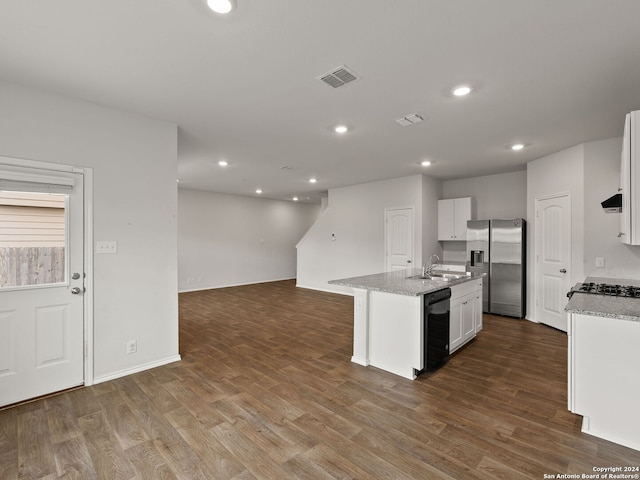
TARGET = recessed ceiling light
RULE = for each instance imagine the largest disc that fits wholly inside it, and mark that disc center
(258, 190)
(220, 6)
(461, 90)
(295, 199)
(341, 129)
(223, 163)
(425, 163)
(313, 180)
(517, 146)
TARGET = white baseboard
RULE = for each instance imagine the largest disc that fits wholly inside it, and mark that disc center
(136, 369)
(214, 287)
(360, 361)
(626, 442)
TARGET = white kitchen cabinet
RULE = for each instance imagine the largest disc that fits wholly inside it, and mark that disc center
(468, 319)
(455, 324)
(453, 214)
(465, 313)
(630, 181)
(477, 309)
(603, 381)
(461, 322)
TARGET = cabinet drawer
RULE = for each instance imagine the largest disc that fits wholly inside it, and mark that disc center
(464, 289)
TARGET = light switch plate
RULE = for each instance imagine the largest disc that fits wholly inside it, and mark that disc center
(107, 247)
(599, 262)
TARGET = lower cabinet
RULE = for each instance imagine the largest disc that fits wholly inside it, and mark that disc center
(602, 376)
(455, 324)
(477, 308)
(465, 313)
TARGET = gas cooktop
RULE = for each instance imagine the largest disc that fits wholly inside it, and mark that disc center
(609, 289)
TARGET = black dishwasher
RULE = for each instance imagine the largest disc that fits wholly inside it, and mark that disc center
(436, 328)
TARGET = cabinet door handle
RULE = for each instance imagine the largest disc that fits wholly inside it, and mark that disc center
(563, 270)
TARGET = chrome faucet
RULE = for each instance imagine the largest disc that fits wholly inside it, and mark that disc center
(428, 270)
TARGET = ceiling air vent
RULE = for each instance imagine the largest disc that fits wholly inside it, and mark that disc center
(338, 77)
(410, 119)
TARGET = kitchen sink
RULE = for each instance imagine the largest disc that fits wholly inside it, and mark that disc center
(442, 276)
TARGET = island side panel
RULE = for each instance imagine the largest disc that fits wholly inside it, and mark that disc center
(604, 365)
(360, 326)
(396, 333)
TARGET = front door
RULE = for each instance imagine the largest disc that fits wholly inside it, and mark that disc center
(399, 238)
(553, 259)
(41, 282)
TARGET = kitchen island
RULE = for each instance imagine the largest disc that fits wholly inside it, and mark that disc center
(604, 363)
(388, 320)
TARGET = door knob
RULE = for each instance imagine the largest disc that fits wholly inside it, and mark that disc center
(75, 290)
(563, 270)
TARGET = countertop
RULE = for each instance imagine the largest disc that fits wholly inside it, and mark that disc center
(399, 282)
(621, 308)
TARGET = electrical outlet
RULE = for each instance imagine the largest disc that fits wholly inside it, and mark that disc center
(132, 346)
(599, 262)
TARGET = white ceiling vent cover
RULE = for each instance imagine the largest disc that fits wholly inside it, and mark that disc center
(410, 119)
(338, 77)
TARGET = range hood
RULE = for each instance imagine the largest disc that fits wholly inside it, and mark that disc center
(613, 204)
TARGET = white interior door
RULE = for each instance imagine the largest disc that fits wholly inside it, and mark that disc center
(41, 313)
(399, 238)
(553, 259)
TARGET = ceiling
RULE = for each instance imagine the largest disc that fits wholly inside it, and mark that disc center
(243, 87)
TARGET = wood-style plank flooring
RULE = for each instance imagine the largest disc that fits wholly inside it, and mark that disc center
(266, 390)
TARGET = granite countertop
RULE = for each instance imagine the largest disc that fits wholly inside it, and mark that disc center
(399, 282)
(622, 308)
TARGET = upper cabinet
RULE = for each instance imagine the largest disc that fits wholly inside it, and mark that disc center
(453, 214)
(630, 181)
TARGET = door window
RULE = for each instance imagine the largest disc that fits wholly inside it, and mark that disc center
(33, 239)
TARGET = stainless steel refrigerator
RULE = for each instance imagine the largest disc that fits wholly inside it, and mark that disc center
(497, 248)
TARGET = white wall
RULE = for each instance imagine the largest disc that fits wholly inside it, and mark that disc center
(561, 172)
(226, 240)
(494, 196)
(356, 216)
(134, 162)
(601, 180)
(431, 193)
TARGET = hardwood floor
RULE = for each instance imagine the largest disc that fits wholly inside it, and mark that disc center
(266, 390)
